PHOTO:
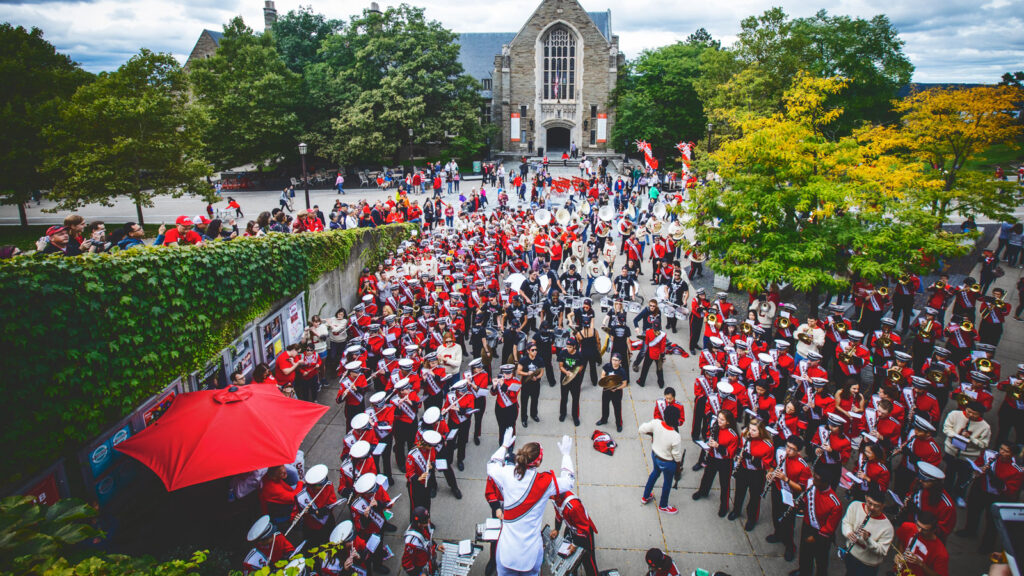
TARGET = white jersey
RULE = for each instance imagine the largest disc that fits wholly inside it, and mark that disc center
(525, 499)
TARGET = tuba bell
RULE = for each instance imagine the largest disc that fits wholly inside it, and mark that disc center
(585, 209)
(542, 217)
(606, 213)
(562, 216)
(784, 322)
(894, 375)
(660, 211)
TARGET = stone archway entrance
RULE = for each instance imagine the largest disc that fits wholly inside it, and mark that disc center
(558, 139)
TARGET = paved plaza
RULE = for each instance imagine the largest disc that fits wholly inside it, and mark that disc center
(609, 486)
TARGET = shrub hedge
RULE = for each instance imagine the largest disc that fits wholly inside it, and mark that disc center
(87, 339)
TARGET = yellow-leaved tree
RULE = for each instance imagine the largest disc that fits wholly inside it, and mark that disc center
(943, 129)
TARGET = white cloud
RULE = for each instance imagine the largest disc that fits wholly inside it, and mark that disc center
(949, 41)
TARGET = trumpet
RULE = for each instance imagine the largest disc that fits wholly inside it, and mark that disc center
(967, 326)
(842, 327)
(926, 328)
(940, 285)
(746, 328)
(712, 319)
(984, 365)
(784, 323)
(883, 291)
(976, 288)
(1016, 389)
(904, 279)
(895, 375)
(937, 376)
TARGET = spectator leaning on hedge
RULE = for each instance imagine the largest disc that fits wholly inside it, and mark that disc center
(182, 233)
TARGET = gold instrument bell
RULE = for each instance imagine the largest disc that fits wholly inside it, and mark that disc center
(936, 376)
(904, 279)
(940, 285)
(883, 291)
(805, 337)
(895, 375)
(746, 328)
(784, 323)
(976, 288)
(984, 365)
(712, 319)
(885, 341)
(967, 326)
(962, 399)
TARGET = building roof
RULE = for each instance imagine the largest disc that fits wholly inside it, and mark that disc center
(215, 35)
(603, 21)
(477, 51)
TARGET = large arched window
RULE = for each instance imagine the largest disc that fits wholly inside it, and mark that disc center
(560, 64)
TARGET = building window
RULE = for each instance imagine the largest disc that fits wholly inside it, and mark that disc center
(593, 111)
(487, 114)
(560, 64)
(593, 137)
(522, 112)
(486, 83)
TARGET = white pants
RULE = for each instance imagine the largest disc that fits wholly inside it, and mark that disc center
(535, 571)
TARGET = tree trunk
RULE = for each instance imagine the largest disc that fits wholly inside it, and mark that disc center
(138, 211)
(812, 300)
(22, 215)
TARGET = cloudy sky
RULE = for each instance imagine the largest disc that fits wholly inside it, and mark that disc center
(947, 40)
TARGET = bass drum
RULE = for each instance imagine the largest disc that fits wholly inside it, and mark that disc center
(669, 310)
(561, 338)
(661, 293)
(515, 281)
(603, 284)
(577, 302)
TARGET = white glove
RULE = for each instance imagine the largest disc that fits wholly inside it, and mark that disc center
(565, 445)
(509, 439)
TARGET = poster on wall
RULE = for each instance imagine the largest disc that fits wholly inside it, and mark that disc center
(103, 467)
(295, 320)
(271, 335)
(211, 376)
(151, 410)
(241, 355)
(602, 128)
(49, 486)
(514, 130)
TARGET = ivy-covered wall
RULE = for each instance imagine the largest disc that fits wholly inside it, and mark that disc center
(86, 339)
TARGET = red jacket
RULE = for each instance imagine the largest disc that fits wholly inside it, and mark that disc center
(828, 511)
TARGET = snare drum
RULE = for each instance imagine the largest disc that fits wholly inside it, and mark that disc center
(669, 309)
(606, 305)
(635, 307)
(577, 302)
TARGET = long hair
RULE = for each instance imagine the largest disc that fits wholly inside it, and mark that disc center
(524, 456)
(761, 432)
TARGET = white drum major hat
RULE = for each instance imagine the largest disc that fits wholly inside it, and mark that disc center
(317, 474)
(261, 529)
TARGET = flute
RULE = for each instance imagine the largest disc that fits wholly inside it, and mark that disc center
(841, 552)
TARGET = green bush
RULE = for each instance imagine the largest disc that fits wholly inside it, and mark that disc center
(88, 339)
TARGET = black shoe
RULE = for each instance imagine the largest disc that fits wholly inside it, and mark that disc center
(433, 491)
(476, 440)
(389, 527)
(524, 424)
(551, 384)
(692, 352)
(641, 384)
(733, 515)
(772, 538)
(749, 525)
(576, 421)
(601, 422)
(618, 427)
(697, 495)
(790, 554)
(722, 512)
(460, 466)
(661, 384)
(561, 417)
(697, 466)
(457, 493)
(535, 419)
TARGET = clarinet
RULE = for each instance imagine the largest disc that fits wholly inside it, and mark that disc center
(713, 435)
(791, 511)
(841, 552)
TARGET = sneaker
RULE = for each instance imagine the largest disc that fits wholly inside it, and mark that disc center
(668, 509)
(646, 500)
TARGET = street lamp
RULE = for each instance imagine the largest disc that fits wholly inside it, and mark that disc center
(303, 148)
(710, 126)
(411, 166)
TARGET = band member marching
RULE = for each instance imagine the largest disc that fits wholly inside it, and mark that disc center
(420, 467)
(506, 408)
(756, 457)
(269, 546)
(420, 551)
(723, 443)
(579, 528)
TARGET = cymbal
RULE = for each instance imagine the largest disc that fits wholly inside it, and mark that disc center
(610, 381)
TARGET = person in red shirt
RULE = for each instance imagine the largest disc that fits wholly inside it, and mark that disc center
(790, 475)
(277, 497)
(922, 550)
(269, 546)
(182, 233)
(668, 400)
(722, 449)
(319, 520)
(286, 364)
(997, 478)
(579, 528)
(823, 511)
(757, 456)
(655, 341)
(418, 555)
(659, 564)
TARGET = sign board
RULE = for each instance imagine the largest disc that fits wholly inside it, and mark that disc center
(514, 130)
(602, 128)
(241, 355)
(102, 465)
(49, 486)
(211, 377)
(151, 410)
(270, 333)
(478, 167)
(295, 320)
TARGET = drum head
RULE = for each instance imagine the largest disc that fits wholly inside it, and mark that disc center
(661, 293)
(545, 281)
(577, 302)
(603, 284)
(635, 307)
(515, 281)
(670, 311)
(606, 304)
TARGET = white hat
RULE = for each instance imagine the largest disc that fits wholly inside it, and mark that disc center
(930, 471)
(360, 449)
(360, 421)
(389, 352)
(353, 349)
(724, 387)
(261, 529)
(432, 437)
(342, 532)
(431, 415)
(317, 474)
(378, 397)
(765, 358)
(354, 366)
(405, 364)
(401, 384)
(365, 483)
(855, 334)
(716, 341)
(460, 385)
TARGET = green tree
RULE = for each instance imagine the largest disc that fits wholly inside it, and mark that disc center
(44, 541)
(656, 99)
(128, 133)
(37, 79)
(386, 73)
(299, 34)
(797, 206)
(772, 49)
(249, 98)
(1013, 79)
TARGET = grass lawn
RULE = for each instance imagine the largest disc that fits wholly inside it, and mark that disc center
(999, 154)
(25, 237)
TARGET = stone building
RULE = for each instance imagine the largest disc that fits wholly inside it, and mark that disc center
(549, 85)
(209, 40)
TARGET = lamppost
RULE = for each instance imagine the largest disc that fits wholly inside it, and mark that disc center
(411, 166)
(710, 126)
(303, 148)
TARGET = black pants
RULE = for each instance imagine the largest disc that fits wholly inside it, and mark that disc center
(903, 308)
(698, 418)
(446, 453)
(590, 364)
(658, 368)
(695, 326)
(870, 320)
(722, 467)
(902, 478)
(990, 333)
(1010, 419)
(813, 554)
(506, 419)
(405, 436)
(572, 388)
(461, 438)
(783, 526)
(549, 370)
(480, 403)
(922, 351)
(752, 481)
(586, 542)
(957, 472)
(350, 412)
(419, 494)
(530, 397)
(979, 502)
(615, 399)
(306, 389)
(384, 460)
(432, 401)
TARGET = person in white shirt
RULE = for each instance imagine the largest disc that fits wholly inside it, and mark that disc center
(868, 534)
(525, 493)
(450, 355)
(667, 454)
(810, 337)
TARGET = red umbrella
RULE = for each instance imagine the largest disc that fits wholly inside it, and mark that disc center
(216, 433)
